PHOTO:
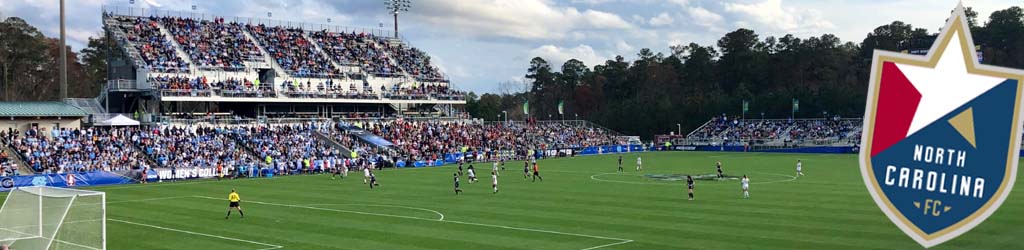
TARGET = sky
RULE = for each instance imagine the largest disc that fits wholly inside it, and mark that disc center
(482, 43)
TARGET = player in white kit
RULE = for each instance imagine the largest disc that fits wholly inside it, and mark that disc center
(746, 187)
(639, 164)
(799, 168)
(494, 168)
(494, 180)
(366, 174)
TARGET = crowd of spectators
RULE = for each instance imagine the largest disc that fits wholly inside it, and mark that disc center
(154, 48)
(291, 50)
(235, 87)
(414, 62)
(433, 139)
(212, 44)
(7, 165)
(69, 150)
(328, 89)
(423, 91)
(359, 49)
(193, 147)
(290, 148)
(724, 128)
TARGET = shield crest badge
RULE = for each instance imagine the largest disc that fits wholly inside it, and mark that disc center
(942, 135)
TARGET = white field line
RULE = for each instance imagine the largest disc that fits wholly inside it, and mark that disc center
(594, 177)
(39, 237)
(268, 246)
(619, 241)
(381, 205)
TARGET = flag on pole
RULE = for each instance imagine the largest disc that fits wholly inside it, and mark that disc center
(526, 107)
(561, 107)
(796, 105)
(746, 106)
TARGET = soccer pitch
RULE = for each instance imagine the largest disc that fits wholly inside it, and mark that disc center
(583, 203)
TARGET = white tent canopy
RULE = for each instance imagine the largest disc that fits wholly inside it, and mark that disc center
(119, 120)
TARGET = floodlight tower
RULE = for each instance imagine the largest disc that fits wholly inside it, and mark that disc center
(396, 6)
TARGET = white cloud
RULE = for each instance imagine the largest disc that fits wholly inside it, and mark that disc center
(639, 19)
(592, 2)
(519, 19)
(681, 3)
(705, 18)
(772, 15)
(623, 47)
(661, 20)
(556, 56)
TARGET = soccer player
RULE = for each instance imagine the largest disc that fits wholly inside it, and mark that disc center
(494, 167)
(720, 174)
(373, 181)
(472, 173)
(799, 168)
(456, 179)
(639, 164)
(689, 186)
(234, 200)
(746, 187)
(536, 173)
(526, 169)
(502, 159)
(494, 181)
(366, 174)
(460, 167)
(620, 163)
(220, 171)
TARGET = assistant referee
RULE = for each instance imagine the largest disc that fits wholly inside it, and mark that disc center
(234, 199)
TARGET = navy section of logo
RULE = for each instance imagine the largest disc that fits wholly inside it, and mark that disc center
(988, 161)
(7, 182)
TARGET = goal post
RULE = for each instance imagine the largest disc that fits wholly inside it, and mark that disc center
(53, 218)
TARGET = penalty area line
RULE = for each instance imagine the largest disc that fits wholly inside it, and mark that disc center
(619, 240)
(268, 246)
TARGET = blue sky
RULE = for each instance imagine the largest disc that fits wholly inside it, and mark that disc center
(481, 43)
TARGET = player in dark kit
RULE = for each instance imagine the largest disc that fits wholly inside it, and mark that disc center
(460, 167)
(373, 180)
(536, 173)
(620, 163)
(689, 185)
(502, 160)
(526, 170)
(457, 189)
(720, 174)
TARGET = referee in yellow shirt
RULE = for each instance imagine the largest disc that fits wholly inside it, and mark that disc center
(234, 199)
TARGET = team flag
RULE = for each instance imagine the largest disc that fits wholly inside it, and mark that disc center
(526, 107)
(796, 105)
(561, 107)
(746, 106)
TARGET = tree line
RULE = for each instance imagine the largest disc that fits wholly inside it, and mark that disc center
(30, 64)
(654, 92)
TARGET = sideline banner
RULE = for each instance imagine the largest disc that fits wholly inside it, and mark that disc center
(63, 180)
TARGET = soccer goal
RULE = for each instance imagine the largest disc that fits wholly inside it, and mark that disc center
(54, 218)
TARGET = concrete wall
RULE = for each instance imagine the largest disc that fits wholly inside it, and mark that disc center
(45, 123)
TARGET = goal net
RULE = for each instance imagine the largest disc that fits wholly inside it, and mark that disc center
(53, 218)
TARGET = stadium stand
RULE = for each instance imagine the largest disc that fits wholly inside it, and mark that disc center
(293, 52)
(735, 131)
(144, 35)
(212, 44)
(67, 150)
(354, 49)
(192, 147)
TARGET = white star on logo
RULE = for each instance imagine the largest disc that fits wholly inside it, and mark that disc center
(946, 87)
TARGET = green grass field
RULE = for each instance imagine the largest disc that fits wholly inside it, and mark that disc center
(581, 204)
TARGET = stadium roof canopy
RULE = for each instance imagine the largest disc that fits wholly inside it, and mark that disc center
(39, 109)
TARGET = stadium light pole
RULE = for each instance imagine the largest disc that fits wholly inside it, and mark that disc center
(396, 6)
(63, 57)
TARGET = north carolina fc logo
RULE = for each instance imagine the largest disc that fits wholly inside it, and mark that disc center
(941, 136)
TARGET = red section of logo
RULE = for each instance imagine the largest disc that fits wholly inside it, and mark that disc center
(897, 103)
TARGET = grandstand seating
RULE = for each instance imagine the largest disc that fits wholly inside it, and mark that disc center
(212, 44)
(293, 52)
(67, 150)
(145, 36)
(778, 131)
(310, 64)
